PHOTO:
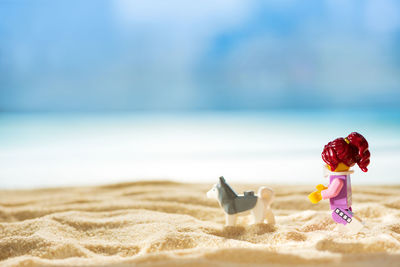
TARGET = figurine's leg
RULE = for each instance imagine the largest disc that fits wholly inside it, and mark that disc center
(357, 223)
(347, 218)
(270, 217)
(355, 226)
(353, 215)
(230, 219)
(342, 216)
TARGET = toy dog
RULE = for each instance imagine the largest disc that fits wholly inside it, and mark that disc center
(234, 204)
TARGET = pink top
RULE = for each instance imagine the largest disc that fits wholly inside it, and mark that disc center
(333, 189)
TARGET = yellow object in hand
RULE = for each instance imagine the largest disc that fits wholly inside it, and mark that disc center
(315, 196)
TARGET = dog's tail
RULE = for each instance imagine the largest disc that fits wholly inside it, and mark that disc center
(266, 194)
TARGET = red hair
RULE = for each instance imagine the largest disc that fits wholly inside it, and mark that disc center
(350, 150)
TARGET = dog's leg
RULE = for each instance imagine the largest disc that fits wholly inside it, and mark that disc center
(258, 212)
(230, 219)
(270, 216)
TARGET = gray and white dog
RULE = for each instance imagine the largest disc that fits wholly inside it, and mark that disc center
(234, 204)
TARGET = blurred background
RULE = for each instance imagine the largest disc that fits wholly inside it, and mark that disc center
(95, 92)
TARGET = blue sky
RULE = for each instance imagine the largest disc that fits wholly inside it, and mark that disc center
(180, 55)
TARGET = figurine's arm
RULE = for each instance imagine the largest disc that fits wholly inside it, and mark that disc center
(333, 189)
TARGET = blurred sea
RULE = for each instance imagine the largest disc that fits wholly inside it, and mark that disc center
(62, 149)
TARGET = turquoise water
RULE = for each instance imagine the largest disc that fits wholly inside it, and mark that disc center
(58, 149)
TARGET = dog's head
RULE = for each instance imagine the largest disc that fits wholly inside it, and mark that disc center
(219, 190)
(213, 192)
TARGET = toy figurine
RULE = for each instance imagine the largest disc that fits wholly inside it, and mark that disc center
(340, 155)
(234, 204)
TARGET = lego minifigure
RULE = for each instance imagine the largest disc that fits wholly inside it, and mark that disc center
(340, 155)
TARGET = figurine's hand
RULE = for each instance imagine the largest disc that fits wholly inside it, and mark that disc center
(315, 196)
(321, 187)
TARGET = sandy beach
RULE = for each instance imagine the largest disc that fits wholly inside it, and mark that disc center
(164, 223)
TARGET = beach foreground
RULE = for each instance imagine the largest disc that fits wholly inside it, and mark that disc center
(173, 224)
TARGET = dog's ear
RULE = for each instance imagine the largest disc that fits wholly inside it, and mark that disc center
(222, 180)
